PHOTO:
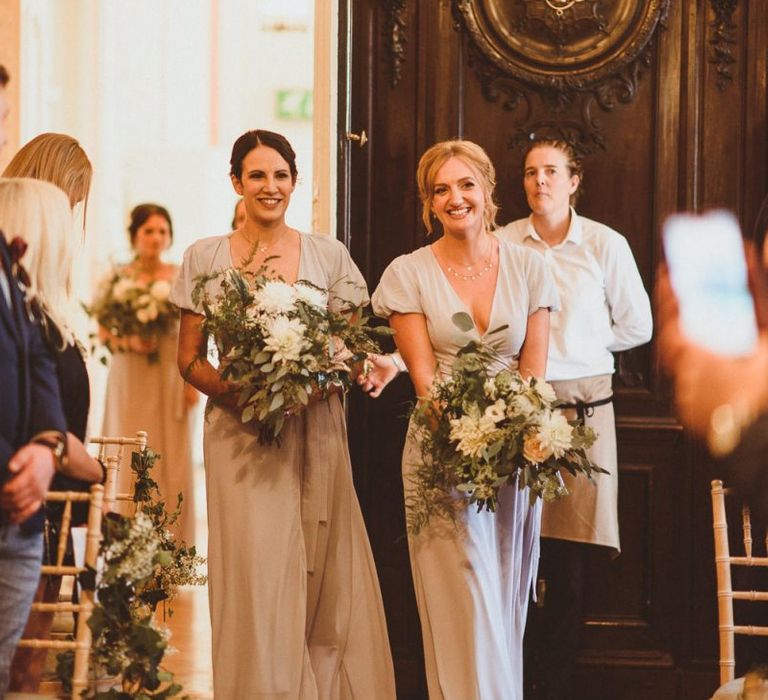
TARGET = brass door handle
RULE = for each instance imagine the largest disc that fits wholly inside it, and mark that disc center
(361, 138)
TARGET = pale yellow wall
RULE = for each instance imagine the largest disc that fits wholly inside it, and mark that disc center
(9, 57)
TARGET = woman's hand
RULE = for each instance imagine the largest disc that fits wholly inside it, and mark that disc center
(378, 371)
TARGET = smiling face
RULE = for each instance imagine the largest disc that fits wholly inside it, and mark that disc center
(152, 237)
(458, 198)
(265, 185)
(548, 181)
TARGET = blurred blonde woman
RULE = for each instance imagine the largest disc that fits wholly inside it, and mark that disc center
(60, 160)
(40, 214)
(56, 158)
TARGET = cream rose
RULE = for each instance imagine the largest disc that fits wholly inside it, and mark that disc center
(122, 289)
(160, 290)
(147, 313)
(546, 391)
(496, 411)
(534, 451)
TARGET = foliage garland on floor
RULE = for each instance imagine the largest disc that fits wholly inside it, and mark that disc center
(143, 566)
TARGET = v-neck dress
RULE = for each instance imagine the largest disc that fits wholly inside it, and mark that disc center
(296, 609)
(472, 581)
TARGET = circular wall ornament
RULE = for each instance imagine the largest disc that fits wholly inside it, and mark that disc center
(560, 43)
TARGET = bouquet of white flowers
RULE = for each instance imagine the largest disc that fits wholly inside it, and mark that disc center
(480, 431)
(279, 343)
(126, 306)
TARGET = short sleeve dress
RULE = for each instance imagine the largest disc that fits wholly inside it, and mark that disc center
(296, 609)
(472, 581)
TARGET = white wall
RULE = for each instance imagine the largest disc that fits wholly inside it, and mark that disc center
(156, 91)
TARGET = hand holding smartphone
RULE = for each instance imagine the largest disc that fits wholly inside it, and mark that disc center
(708, 272)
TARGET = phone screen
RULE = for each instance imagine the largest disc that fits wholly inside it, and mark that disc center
(708, 271)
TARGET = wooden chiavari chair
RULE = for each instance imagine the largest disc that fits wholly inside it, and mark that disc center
(732, 688)
(81, 644)
(111, 454)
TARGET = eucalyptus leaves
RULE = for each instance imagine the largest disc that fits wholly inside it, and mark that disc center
(479, 432)
(279, 343)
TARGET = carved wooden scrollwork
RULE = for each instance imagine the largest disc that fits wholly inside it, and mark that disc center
(556, 65)
(723, 40)
(395, 38)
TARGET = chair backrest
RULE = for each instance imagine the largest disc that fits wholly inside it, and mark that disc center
(111, 454)
(81, 645)
(724, 562)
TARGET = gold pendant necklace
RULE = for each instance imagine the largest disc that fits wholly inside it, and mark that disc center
(257, 246)
(472, 276)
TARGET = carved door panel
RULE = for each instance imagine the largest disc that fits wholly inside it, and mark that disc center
(668, 102)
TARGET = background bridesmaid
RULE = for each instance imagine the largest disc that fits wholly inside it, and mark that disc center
(143, 395)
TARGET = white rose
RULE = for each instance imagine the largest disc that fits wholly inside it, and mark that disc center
(276, 297)
(496, 411)
(160, 290)
(123, 287)
(489, 389)
(285, 339)
(311, 295)
(147, 313)
(546, 391)
(521, 405)
(555, 433)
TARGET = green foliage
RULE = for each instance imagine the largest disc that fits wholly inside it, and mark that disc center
(143, 566)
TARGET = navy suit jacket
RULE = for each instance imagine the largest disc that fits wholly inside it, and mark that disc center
(29, 392)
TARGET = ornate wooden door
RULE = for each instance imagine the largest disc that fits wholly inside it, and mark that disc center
(668, 101)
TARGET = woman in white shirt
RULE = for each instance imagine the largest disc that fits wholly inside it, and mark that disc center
(605, 309)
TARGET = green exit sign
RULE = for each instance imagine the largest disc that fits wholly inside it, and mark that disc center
(293, 104)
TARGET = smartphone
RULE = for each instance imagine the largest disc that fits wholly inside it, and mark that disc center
(708, 271)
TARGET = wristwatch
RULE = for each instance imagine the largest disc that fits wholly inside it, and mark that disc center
(56, 441)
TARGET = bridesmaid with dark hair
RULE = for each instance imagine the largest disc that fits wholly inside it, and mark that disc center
(143, 395)
(295, 604)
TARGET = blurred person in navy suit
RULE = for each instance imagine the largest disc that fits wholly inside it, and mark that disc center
(31, 442)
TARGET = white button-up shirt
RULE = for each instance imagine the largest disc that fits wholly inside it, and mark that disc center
(604, 305)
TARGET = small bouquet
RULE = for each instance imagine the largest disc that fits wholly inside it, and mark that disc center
(482, 431)
(279, 343)
(126, 307)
